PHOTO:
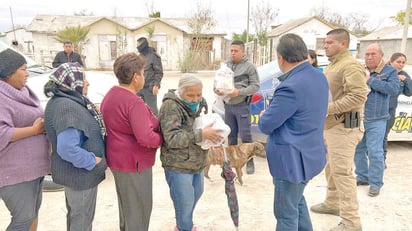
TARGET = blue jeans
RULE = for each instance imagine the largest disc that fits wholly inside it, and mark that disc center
(185, 191)
(23, 200)
(290, 207)
(370, 148)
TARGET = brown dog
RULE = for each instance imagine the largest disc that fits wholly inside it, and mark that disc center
(237, 154)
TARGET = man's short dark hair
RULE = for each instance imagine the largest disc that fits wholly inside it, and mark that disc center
(340, 34)
(141, 39)
(67, 42)
(239, 43)
(292, 48)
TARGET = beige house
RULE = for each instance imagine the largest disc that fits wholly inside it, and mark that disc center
(390, 38)
(313, 31)
(109, 37)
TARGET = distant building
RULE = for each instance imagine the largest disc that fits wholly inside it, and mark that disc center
(390, 38)
(109, 37)
(312, 30)
(20, 39)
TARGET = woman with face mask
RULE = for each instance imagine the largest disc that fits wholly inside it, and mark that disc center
(182, 159)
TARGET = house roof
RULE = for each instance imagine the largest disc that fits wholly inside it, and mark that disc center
(386, 33)
(292, 24)
(54, 23)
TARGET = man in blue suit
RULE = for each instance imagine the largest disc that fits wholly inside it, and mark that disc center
(294, 122)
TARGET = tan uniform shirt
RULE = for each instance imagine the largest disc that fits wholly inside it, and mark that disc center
(346, 78)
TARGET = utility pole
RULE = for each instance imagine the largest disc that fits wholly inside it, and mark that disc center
(15, 43)
(406, 27)
(247, 26)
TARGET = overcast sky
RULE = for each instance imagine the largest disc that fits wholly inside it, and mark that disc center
(231, 14)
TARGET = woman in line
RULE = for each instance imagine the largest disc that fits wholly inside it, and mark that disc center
(397, 61)
(76, 131)
(182, 159)
(132, 139)
(24, 149)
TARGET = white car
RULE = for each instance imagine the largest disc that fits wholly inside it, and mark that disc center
(100, 82)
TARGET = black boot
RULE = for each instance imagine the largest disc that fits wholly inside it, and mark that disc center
(250, 167)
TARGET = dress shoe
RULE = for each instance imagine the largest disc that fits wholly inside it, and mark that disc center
(361, 183)
(373, 192)
(342, 227)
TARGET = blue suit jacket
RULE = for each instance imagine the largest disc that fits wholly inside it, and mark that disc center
(294, 121)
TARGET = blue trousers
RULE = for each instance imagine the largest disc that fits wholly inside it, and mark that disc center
(369, 158)
(290, 207)
(185, 191)
(237, 117)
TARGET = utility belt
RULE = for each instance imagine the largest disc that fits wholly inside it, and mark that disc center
(351, 119)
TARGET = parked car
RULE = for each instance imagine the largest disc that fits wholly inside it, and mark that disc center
(268, 73)
(100, 84)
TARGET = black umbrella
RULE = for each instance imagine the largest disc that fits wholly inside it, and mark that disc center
(230, 190)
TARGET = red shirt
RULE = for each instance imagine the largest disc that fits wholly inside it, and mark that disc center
(132, 131)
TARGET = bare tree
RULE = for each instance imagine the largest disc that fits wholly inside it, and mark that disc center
(83, 12)
(262, 16)
(198, 55)
(356, 21)
(151, 9)
(202, 19)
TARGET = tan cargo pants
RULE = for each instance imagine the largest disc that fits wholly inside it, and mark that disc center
(341, 190)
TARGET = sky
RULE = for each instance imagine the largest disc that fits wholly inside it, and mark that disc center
(230, 14)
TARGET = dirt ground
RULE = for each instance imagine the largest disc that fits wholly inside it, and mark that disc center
(391, 210)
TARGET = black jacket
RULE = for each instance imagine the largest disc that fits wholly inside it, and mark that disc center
(62, 57)
(153, 71)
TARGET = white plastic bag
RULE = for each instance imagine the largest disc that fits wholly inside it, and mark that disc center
(218, 106)
(224, 79)
(218, 123)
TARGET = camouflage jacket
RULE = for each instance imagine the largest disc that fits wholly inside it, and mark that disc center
(179, 150)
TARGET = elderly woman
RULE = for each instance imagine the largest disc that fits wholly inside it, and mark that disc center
(76, 130)
(182, 159)
(24, 158)
(133, 137)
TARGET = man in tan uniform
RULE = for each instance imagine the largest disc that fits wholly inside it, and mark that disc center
(343, 130)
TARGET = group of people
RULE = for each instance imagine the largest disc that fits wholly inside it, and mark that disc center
(314, 121)
(309, 132)
(76, 141)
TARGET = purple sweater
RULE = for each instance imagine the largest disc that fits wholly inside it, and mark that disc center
(25, 159)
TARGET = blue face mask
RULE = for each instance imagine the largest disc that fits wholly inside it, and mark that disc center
(192, 105)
